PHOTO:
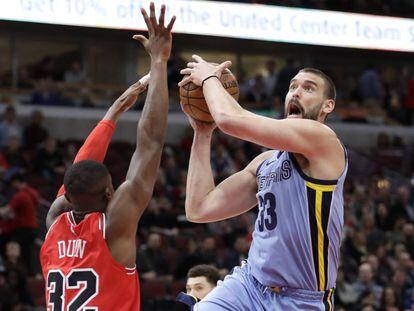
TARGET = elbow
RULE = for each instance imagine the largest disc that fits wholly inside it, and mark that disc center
(230, 122)
(224, 122)
(151, 133)
(193, 215)
(194, 218)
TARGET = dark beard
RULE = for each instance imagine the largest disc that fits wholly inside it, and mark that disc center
(310, 115)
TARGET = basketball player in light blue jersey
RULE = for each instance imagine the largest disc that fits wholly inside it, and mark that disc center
(298, 185)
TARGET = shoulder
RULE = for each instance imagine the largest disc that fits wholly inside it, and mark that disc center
(254, 165)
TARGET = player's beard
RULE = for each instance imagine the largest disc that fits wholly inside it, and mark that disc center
(311, 114)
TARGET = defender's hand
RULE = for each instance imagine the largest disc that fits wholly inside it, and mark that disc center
(158, 44)
(127, 99)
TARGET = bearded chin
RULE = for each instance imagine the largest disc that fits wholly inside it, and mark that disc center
(311, 115)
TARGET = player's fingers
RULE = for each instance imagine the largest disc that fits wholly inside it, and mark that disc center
(191, 65)
(141, 39)
(197, 58)
(145, 79)
(186, 71)
(147, 20)
(153, 20)
(171, 23)
(184, 81)
(162, 16)
(225, 64)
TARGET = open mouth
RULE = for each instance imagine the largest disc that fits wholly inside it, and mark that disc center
(294, 110)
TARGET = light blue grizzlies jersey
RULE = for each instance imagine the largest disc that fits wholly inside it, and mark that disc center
(298, 230)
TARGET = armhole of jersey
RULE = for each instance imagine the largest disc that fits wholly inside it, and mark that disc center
(51, 226)
(71, 219)
(131, 271)
(103, 226)
(258, 168)
(346, 159)
(308, 178)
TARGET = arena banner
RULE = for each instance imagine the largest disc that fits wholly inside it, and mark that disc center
(237, 20)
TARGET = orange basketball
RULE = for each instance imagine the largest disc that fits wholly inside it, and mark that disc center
(192, 97)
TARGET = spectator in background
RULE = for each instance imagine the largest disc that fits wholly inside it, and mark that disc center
(46, 93)
(151, 261)
(49, 160)
(75, 74)
(21, 214)
(13, 259)
(286, 74)
(201, 280)
(407, 92)
(174, 65)
(370, 86)
(238, 253)
(7, 297)
(35, 133)
(25, 81)
(87, 100)
(390, 300)
(270, 81)
(408, 231)
(222, 163)
(256, 93)
(46, 69)
(9, 126)
(365, 284)
(399, 283)
(345, 293)
(402, 206)
(11, 157)
(382, 217)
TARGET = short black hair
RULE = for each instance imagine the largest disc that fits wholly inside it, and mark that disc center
(330, 89)
(211, 273)
(84, 177)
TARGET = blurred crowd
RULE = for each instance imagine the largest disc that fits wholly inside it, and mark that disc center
(377, 267)
(374, 94)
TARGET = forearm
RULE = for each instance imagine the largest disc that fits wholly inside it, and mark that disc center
(200, 180)
(221, 104)
(153, 122)
(151, 128)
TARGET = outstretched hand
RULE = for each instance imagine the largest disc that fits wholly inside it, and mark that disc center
(200, 70)
(159, 42)
(127, 99)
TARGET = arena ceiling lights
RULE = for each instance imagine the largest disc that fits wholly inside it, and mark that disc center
(245, 21)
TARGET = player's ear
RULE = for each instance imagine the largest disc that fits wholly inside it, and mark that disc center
(328, 106)
(108, 193)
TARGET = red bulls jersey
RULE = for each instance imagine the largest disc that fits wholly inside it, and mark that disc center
(79, 271)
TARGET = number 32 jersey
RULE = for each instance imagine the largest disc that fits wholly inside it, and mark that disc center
(79, 271)
(298, 230)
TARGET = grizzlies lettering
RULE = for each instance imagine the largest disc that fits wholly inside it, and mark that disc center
(280, 173)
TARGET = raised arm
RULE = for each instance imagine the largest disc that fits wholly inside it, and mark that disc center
(132, 197)
(96, 144)
(308, 138)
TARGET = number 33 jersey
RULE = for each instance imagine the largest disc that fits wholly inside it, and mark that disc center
(79, 271)
(298, 230)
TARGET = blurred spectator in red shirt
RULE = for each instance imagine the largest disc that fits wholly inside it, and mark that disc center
(20, 213)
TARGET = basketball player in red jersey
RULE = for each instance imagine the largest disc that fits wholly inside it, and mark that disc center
(88, 258)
